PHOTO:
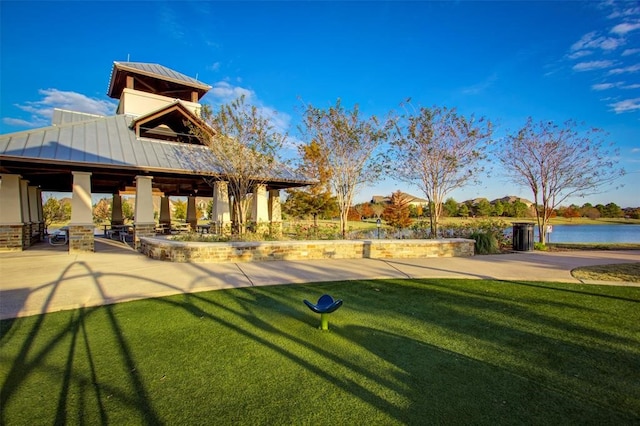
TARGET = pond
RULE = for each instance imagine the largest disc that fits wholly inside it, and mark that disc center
(593, 234)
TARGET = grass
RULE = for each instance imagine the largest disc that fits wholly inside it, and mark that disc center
(398, 352)
(593, 246)
(629, 272)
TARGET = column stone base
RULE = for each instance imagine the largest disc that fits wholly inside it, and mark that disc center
(81, 239)
(26, 236)
(11, 237)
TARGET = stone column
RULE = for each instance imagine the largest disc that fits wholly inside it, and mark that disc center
(192, 212)
(81, 239)
(165, 212)
(221, 212)
(260, 210)
(275, 212)
(33, 212)
(24, 201)
(116, 210)
(26, 213)
(40, 213)
(11, 223)
(145, 224)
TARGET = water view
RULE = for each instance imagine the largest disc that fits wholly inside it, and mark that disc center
(594, 234)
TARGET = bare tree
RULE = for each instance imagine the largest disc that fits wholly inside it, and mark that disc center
(244, 147)
(349, 144)
(439, 150)
(558, 162)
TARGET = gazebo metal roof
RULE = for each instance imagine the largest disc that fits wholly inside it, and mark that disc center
(168, 79)
(109, 148)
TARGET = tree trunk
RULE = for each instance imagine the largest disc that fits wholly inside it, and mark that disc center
(344, 215)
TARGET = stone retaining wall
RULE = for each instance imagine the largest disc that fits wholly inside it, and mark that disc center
(197, 252)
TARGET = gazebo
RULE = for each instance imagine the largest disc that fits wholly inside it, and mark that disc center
(146, 148)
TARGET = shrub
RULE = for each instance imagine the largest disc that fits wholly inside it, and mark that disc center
(203, 238)
(540, 246)
(486, 242)
(304, 231)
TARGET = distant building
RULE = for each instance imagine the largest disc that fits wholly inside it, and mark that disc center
(413, 201)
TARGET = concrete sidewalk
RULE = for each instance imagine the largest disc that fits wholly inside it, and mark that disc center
(48, 279)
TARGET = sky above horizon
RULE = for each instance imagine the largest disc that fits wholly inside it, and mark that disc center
(506, 61)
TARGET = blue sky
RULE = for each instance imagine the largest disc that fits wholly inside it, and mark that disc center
(503, 60)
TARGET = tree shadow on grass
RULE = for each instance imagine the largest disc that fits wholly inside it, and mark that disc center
(33, 354)
(524, 359)
(444, 387)
(439, 381)
(249, 321)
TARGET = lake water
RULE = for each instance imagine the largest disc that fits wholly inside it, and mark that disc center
(593, 234)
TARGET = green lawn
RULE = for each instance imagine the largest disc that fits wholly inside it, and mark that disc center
(398, 352)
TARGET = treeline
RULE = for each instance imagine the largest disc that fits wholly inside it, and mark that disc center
(452, 208)
(497, 208)
(611, 210)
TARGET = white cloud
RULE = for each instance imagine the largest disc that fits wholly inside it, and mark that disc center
(593, 41)
(625, 27)
(481, 86)
(41, 111)
(627, 105)
(603, 86)
(225, 92)
(280, 120)
(623, 70)
(619, 84)
(593, 65)
(629, 52)
(624, 12)
(214, 67)
(18, 122)
(580, 54)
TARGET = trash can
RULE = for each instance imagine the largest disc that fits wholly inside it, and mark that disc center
(523, 236)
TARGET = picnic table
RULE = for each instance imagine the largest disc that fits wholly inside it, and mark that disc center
(179, 228)
(204, 229)
(163, 228)
(119, 232)
(59, 237)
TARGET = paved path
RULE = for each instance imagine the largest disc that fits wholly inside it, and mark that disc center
(48, 279)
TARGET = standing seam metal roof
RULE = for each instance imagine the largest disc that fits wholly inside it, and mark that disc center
(109, 141)
(157, 70)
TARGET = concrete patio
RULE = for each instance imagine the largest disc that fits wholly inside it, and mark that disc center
(48, 279)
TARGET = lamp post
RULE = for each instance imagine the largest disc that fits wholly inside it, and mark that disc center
(378, 223)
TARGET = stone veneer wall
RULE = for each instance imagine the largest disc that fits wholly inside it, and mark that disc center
(26, 236)
(11, 237)
(81, 239)
(196, 252)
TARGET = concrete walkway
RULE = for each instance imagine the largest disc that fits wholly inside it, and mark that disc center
(48, 279)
